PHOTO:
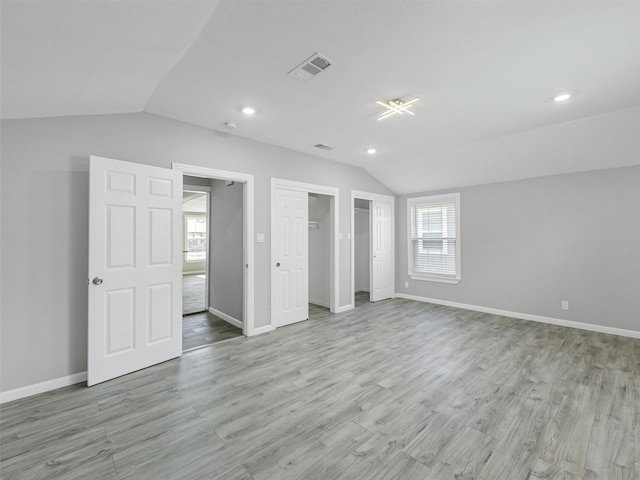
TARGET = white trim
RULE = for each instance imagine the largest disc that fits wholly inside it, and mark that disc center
(261, 330)
(195, 188)
(334, 249)
(319, 303)
(194, 272)
(42, 387)
(227, 318)
(248, 227)
(344, 308)
(378, 198)
(527, 316)
(425, 277)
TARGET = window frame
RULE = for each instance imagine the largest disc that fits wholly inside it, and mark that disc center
(433, 277)
(185, 217)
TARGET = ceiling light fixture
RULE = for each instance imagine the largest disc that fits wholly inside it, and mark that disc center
(396, 106)
(371, 151)
(562, 97)
(248, 110)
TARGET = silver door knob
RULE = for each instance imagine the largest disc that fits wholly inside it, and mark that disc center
(97, 280)
(278, 264)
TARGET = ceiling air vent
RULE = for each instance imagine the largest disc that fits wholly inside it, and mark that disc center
(323, 147)
(312, 66)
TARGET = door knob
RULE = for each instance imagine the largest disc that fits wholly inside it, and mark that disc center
(97, 280)
(278, 264)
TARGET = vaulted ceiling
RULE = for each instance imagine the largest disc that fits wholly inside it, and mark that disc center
(485, 72)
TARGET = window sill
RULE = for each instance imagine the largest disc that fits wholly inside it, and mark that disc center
(427, 278)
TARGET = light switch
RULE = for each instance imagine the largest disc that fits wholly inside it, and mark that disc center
(260, 238)
(349, 236)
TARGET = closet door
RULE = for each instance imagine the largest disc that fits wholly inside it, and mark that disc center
(381, 251)
(290, 257)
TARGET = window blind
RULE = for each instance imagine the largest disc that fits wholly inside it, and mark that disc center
(434, 236)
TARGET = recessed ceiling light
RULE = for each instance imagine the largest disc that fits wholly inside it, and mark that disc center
(562, 97)
(248, 110)
(371, 151)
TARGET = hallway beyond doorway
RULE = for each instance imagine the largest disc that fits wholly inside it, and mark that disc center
(193, 294)
(205, 328)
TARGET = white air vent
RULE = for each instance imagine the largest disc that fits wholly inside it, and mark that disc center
(312, 66)
(323, 147)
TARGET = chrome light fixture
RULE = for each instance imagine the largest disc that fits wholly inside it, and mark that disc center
(396, 106)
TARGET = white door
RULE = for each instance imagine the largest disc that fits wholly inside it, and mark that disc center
(381, 246)
(290, 269)
(135, 264)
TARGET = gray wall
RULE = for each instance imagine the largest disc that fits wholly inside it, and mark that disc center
(43, 323)
(527, 245)
(225, 249)
(319, 250)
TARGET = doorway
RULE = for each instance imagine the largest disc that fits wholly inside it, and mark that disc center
(229, 269)
(361, 246)
(195, 228)
(290, 257)
(319, 228)
(372, 248)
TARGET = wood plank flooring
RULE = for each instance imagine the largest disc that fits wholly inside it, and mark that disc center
(205, 328)
(390, 390)
(193, 294)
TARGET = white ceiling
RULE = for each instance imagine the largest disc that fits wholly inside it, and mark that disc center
(194, 202)
(485, 72)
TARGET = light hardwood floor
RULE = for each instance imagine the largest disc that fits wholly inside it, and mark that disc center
(193, 294)
(393, 390)
(205, 328)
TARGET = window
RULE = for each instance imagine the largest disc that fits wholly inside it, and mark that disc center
(434, 247)
(195, 238)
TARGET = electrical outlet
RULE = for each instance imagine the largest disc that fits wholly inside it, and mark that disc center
(406, 284)
(565, 305)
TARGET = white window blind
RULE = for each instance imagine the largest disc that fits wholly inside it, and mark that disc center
(433, 237)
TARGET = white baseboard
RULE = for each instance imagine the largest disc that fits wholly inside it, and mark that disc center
(526, 316)
(29, 390)
(344, 308)
(227, 318)
(195, 272)
(260, 330)
(319, 303)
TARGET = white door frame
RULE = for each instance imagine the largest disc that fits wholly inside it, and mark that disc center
(378, 198)
(248, 209)
(207, 191)
(334, 203)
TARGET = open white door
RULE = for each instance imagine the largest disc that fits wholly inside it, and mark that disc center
(290, 269)
(381, 251)
(135, 264)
